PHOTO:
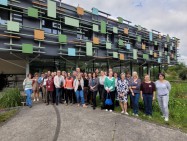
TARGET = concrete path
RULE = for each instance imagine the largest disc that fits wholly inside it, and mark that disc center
(72, 123)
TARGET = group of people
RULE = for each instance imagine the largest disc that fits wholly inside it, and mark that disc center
(114, 90)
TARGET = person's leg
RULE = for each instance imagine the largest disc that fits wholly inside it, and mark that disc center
(66, 95)
(122, 107)
(30, 98)
(165, 106)
(104, 98)
(48, 93)
(77, 95)
(27, 98)
(112, 94)
(149, 104)
(82, 97)
(57, 96)
(137, 96)
(160, 103)
(145, 100)
(94, 99)
(125, 106)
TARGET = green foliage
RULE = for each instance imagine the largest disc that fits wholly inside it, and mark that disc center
(183, 74)
(6, 115)
(10, 97)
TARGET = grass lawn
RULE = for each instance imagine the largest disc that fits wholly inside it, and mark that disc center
(6, 115)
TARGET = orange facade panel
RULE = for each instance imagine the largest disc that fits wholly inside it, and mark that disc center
(38, 34)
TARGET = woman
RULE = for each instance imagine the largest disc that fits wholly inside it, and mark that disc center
(86, 83)
(44, 88)
(93, 84)
(35, 87)
(78, 88)
(122, 90)
(109, 85)
(135, 92)
(101, 86)
(147, 93)
(68, 86)
(89, 98)
(50, 89)
(163, 88)
(27, 84)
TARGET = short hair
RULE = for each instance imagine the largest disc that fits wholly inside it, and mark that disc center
(161, 74)
(122, 74)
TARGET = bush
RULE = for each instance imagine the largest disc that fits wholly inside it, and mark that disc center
(10, 97)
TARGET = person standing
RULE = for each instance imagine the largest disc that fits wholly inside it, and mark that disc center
(116, 93)
(35, 87)
(44, 91)
(86, 83)
(68, 86)
(58, 81)
(135, 92)
(27, 85)
(78, 88)
(93, 84)
(109, 85)
(129, 79)
(147, 93)
(122, 90)
(101, 87)
(40, 83)
(163, 88)
(50, 89)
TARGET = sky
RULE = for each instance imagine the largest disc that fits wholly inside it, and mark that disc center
(166, 16)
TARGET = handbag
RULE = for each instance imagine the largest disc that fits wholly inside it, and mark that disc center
(108, 100)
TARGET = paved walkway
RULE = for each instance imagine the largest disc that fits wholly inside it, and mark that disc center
(71, 123)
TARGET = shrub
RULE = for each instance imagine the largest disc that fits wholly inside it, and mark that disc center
(10, 97)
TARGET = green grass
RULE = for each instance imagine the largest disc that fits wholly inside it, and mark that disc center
(177, 108)
(6, 115)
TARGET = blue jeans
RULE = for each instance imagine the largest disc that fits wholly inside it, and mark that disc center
(80, 95)
(58, 92)
(135, 101)
(148, 98)
(28, 100)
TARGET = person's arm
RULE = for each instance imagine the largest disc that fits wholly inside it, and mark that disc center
(105, 84)
(141, 89)
(154, 90)
(168, 85)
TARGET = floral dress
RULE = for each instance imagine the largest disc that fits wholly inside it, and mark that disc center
(122, 89)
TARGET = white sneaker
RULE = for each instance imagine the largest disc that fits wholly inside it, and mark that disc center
(37, 99)
(162, 116)
(166, 119)
(136, 115)
(106, 110)
(122, 112)
(110, 110)
(34, 100)
(133, 114)
(126, 113)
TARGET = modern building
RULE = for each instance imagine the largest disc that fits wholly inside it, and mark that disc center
(47, 34)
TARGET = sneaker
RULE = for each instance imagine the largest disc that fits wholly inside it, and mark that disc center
(166, 119)
(34, 100)
(37, 99)
(110, 110)
(122, 112)
(136, 115)
(133, 114)
(162, 116)
(106, 110)
(149, 117)
(126, 113)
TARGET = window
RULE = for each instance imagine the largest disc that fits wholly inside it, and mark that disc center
(17, 17)
(50, 27)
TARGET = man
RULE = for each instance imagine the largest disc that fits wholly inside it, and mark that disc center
(58, 81)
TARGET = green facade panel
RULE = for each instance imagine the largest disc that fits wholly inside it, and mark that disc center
(71, 22)
(13, 26)
(51, 9)
(115, 55)
(62, 38)
(146, 56)
(103, 27)
(135, 56)
(32, 12)
(120, 42)
(108, 45)
(115, 30)
(139, 38)
(95, 28)
(27, 48)
(89, 49)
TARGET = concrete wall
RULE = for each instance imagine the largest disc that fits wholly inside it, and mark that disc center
(10, 68)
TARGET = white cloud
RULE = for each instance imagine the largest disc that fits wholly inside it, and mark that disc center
(166, 16)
